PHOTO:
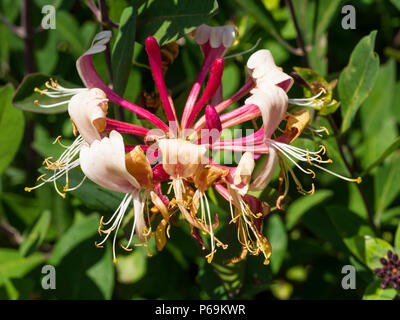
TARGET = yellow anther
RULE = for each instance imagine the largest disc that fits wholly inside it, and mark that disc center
(126, 249)
(308, 158)
(36, 102)
(65, 189)
(358, 180)
(97, 246)
(42, 92)
(312, 172)
(325, 129)
(168, 227)
(40, 177)
(115, 260)
(100, 225)
(28, 189)
(323, 148)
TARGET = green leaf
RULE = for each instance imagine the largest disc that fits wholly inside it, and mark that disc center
(375, 249)
(122, 51)
(358, 78)
(168, 20)
(276, 233)
(316, 82)
(35, 234)
(326, 11)
(263, 18)
(131, 267)
(351, 228)
(397, 239)
(378, 117)
(386, 186)
(299, 207)
(396, 3)
(11, 128)
(80, 231)
(87, 271)
(69, 31)
(375, 292)
(389, 150)
(93, 195)
(25, 94)
(13, 265)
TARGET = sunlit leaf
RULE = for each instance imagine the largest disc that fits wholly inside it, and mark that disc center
(11, 128)
(168, 20)
(358, 78)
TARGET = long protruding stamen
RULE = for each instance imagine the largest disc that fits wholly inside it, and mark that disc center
(61, 166)
(309, 102)
(244, 52)
(118, 215)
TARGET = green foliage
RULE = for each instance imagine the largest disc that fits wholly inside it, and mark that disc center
(312, 238)
(170, 19)
(358, 78)
(11, 128)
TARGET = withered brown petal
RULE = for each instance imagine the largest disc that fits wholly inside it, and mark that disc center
(139, 167)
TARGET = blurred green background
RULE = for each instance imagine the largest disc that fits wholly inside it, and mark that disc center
(312, 238)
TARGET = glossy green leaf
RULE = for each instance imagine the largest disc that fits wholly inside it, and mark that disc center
(377, 116)
(25, 95)
(397, 239)
(13, 265)
(315, 83)
(94, 196)
(395, 145)
(35, 235)
(76, 257)
(122, 51)
(69, 30)
(358, 78)
(299, 207)
(375, 249)
(168, 20)
(375, 292)
(326, 12)
(396, 3)
(276, 233)
(81, 231)
(11, 128)
(386, 185)
(351, 228)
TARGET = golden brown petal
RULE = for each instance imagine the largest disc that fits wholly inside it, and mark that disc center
(139, 167)
(296, 122)
(206, 176)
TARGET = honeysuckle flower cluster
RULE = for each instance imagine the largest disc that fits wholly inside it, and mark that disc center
(390, 271)
(180, 154)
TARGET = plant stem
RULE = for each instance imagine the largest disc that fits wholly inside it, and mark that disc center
(342, 146)
(26, 25)
(300, 39)
(104, 26)
(107, 53)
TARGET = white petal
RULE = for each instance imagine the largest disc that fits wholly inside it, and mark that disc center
(104, 163)
(228, 36)
(83, 109)
(216, 37)
(273, 102)
(265, 175)
(202, 34)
